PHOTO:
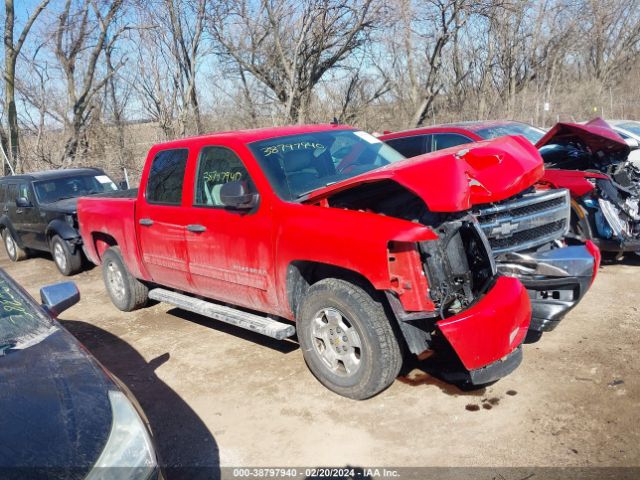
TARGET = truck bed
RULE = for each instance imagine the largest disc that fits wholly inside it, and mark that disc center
(109, 220)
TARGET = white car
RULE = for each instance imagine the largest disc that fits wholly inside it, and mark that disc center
(630, 131)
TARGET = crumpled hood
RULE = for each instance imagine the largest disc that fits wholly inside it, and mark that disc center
(455, 179)
(596, 134)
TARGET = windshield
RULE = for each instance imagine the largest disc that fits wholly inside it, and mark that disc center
(49, 191)
(633, 127)
(532, 134)
(298, 164)
(20, 322)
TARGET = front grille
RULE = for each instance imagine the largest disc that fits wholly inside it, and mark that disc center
(527, 221)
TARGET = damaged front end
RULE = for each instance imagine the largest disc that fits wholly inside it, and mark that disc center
(607, 204)
(468, 307)
(611, 215)
(526, 234)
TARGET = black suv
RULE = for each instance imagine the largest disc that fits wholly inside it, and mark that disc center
(39, 213)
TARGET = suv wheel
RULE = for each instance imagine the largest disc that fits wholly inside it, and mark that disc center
(14, 252)
(126, 292)
(347, 339)
(68, 262)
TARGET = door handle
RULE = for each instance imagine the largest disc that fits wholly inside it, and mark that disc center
(147, 222)
(195, 228)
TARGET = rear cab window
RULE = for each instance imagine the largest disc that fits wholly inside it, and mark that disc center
(166, 177)
(411, 146)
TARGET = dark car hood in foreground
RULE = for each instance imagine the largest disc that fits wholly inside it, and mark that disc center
(455, 179)
(55, 409)
(68, 205)
(596, 134)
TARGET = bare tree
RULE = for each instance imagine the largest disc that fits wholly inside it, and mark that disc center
(172, 49)
(610, 33)
(79, 31)
(288, 45)
(12, 48)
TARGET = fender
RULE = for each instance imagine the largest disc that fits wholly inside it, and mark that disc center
(5, 222)
(61, 228)
(573, 180)
(356, 241)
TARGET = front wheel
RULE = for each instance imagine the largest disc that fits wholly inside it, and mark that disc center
(347, 339)
(68, 262)
(14, 252)
(126, 292)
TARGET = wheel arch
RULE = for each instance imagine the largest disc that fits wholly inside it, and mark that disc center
(5, 223)
(60, 228)
(301, 274)
(101, 242)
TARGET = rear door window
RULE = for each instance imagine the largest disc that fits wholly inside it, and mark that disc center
(166, 177)
(12, 193)
(411, 146)
(447, 140)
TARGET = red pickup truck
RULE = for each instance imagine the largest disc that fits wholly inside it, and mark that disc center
(326, 228)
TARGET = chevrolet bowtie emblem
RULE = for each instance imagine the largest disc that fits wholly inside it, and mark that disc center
(504, 229)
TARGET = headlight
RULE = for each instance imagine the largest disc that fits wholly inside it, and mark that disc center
(610, 213)
(70, 220)
(128, 453)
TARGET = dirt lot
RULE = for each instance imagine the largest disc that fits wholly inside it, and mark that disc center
(215, 394)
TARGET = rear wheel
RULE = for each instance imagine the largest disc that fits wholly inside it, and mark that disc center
(347, 339)
(14, 252)
(126, 292)
(68, 262)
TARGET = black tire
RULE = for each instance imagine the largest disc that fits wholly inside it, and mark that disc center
(378, 358)
(14, 252)
(68, 262)
(131, 294)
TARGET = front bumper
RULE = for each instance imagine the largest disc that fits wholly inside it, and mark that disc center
(556, 280)
(491, 329)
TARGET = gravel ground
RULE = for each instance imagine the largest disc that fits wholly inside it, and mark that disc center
(218, 395)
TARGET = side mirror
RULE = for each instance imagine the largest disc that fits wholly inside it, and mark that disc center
(236, 195)
(22, 202)
(59, 297)
(123, 185)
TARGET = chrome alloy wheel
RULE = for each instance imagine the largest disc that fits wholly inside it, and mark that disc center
(59, 256)
(11, 246)
(116, 281)
(336, 342)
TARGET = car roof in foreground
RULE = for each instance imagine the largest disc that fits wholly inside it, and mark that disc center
(470, 126)
(255, 135)
(53, 174)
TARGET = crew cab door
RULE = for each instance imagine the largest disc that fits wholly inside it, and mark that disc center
(160, 220)
(230, 251)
